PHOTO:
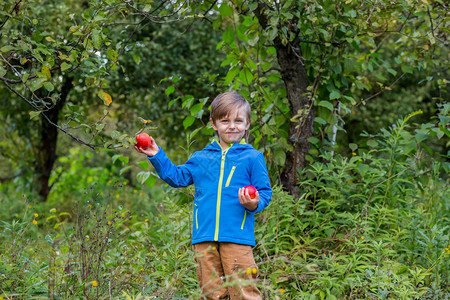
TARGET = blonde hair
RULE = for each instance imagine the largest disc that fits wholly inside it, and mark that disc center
(226, 102)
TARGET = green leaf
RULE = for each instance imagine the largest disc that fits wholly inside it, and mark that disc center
(123, 170)
(121, 158)
(313, 140)
(196, 108)
(143, 164)
(372, 143)
(326, 104)
(280, 157)
(363, 169)
(34, 114)
(232, 73)
(37, 83)
(320, 120)
(246, 76)
(151, 180)
(7, 48)
(170, 90)
(225, 10)
(353, 146)
(335, 95)
(96, 40)
(188, 121)
(228, 36)
(111, 54)
(142, 176)
(136, 58)
(65, 66)
(49, 86)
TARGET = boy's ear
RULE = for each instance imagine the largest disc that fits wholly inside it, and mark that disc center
(212, 123)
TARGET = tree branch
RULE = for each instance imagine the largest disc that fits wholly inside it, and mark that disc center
(75, 138)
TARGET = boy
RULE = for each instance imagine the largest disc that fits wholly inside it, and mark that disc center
(223, 230)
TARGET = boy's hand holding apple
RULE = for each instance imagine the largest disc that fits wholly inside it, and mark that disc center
(249, 197)
(146, 144)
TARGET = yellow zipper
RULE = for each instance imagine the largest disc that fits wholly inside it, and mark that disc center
(196, 218)
(229, 176)
(243, 221)
(219, 194)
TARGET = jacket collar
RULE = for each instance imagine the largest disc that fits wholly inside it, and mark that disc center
(215, 145)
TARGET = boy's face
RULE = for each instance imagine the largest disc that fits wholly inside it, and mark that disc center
(231, 129)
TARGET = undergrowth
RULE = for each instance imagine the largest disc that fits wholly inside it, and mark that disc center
(373, 225)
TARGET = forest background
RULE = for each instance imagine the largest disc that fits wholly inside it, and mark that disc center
(350, 108)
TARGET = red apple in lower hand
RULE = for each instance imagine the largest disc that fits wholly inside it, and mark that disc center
(251, 191)
(143, 140)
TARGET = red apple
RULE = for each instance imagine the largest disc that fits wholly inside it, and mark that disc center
(143, 140)
(251, 191)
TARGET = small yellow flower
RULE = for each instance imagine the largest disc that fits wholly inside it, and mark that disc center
(324, 255)
(94, 283)
(109, 222)
(117, 196)
(353, 153)
(31, 249)
(337, 264)
(254, 270)
(101, 193)
(146, 220)
(123, 215)
(360, 159)
(29, 206)
(34, 222)
(249, 271)
(214, 248)
(36, 215)
(135, 191)
(362, 237)
(17, 215)
(282, 291)
(89, 205)
(115, 277)
(124, 183)
(142, 269)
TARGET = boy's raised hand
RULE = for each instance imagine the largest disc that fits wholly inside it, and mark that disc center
(150, 150)
(246, 200)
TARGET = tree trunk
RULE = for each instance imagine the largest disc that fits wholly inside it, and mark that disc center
(46, 156)
(296, 82)
(293, 74)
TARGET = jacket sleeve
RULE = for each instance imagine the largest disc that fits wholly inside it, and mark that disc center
(260, 180)
(175, 176)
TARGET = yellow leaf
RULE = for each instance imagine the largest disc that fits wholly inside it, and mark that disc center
(45, 70)
(49, 39)
(105, 97)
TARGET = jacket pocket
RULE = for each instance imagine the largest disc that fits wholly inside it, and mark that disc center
(229, 176)
(243, 220)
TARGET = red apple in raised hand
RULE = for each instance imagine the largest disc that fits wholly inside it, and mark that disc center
(251, 191)
(143, 140)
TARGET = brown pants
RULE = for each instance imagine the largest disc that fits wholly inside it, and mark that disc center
(226, 270)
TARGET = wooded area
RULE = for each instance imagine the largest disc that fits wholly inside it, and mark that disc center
(349, 107)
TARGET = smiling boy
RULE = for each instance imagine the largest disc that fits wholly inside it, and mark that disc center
(223, 231)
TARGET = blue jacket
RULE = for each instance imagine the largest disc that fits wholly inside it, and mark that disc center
(217, 175)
